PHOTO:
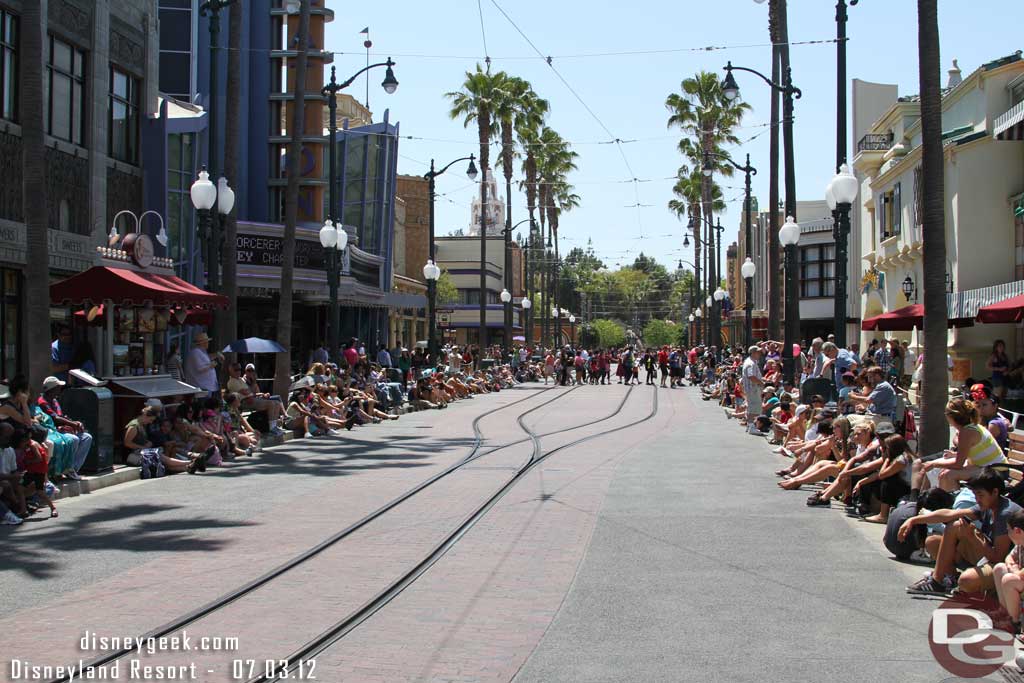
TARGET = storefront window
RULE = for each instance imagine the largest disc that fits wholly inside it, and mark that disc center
(124, 117)
(64, 91)
(8, 66)
(180, 165)
(10, 321)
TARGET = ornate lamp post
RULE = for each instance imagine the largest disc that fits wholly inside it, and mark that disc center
(840, 195)
(332, 236)
(431, 176)
(572, 329)
(748, 270)
(507, 302)
(700, 314)
(205, 195)
(789, 237)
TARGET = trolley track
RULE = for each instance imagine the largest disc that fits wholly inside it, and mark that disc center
(339, 630)
(473, 455)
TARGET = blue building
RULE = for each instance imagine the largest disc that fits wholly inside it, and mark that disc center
(175, 146)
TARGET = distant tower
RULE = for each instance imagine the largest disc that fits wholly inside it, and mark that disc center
(495, 214)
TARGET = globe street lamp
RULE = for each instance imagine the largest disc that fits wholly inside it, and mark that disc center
(333, 220)
(789, 237)
(431, 176)
(840, 195)
(507, 303)
(572, 329)
(748, 270)
(205, 195)
(841, 224)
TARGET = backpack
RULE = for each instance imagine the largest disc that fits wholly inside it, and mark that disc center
(150, 463)
(902, 549)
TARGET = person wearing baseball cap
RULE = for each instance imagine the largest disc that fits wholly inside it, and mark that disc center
(69, 433)
(201, 366)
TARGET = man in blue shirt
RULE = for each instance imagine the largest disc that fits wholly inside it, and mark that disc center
(383, 357)
(60, 353)
(839, 361)
(882, 398)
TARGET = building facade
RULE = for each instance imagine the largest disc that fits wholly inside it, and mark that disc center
(100, 82)
(984, 181)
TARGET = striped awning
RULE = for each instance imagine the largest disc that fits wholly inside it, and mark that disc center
(1010, 126)
(966, 304)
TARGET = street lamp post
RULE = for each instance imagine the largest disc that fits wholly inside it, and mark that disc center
(213, 8)
(699, 314)
(555, 332)
(731, 91)
(435, 271)
(840, 194)
(841, 226)
(507, 303)
(747, 270)
(572, 329)
(332, 235)
(205, 195)
(527, 305)
(789, 237)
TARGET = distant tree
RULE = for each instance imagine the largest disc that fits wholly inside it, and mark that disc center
(660, 332)
(447, 292)
(609, 333)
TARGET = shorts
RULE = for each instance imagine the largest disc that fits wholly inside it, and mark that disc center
(36, 479)
(969, 555)
(664, 370)
(677, 372)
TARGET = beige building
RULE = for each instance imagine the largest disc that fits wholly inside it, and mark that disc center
(411, 244)
(460, 257)
(984, 180)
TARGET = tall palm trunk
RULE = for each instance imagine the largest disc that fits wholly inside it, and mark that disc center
(698, 222)
(774, 248)
(707, 144)
(484, 132)
(228, 320)
(545, 300)
(282, 373)
(934, 435)
(33, 184)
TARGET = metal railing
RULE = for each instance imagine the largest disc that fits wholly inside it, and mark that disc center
(875, 142)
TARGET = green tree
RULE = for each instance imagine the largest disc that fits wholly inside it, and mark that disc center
(660, 333)
(609, 333)
(447, 292)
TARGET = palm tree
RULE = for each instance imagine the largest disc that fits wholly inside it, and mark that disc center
(555, 160)
(708, 120)
(933, 424)
(521, 109)
(482, 92)
(228, 327)
(33, 184)
(528, 132)
(688, 188)
(282, 374)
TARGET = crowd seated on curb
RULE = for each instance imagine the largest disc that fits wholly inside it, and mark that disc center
(850, 432)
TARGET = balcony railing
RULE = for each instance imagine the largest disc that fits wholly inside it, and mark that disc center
(875, 142)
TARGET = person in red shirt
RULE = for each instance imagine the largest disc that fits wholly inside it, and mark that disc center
(32, 459)
(663, 364)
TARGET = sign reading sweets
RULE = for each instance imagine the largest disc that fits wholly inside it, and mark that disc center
(260, 250)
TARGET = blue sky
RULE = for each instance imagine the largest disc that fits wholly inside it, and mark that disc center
(434, 43)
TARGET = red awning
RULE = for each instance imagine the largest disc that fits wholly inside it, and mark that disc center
(905, 320)
(132, 288)
(1009, 311)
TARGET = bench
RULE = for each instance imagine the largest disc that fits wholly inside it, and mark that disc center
(1016, 454)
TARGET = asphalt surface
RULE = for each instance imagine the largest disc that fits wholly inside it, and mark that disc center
(663, 552)
(701, 569)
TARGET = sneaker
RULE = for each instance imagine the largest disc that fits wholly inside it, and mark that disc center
(308, 435)
(929, 586)
(74, 476)
(337, 432)
(921, 556)
(10, 519)
(277, 431)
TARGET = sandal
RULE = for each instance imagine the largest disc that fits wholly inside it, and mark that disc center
(817, 501)
(53, 513)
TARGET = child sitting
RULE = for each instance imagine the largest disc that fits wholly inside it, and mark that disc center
(1009, 574)
(32, 459)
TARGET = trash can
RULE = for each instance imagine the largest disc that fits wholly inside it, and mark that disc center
(94, 408)
(487, 363)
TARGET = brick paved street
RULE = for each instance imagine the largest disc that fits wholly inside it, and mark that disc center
(609, 561)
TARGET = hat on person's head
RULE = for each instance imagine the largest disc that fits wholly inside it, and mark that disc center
(200, 338)
(52, 382)
(771, 401)
(154, 403)
(249, 367)
(801, 409)
(849, 375)
(979, 392)
(827, 413)
(885, 429)
(754, 348)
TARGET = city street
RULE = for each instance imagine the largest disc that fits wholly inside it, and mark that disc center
(657, 550)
